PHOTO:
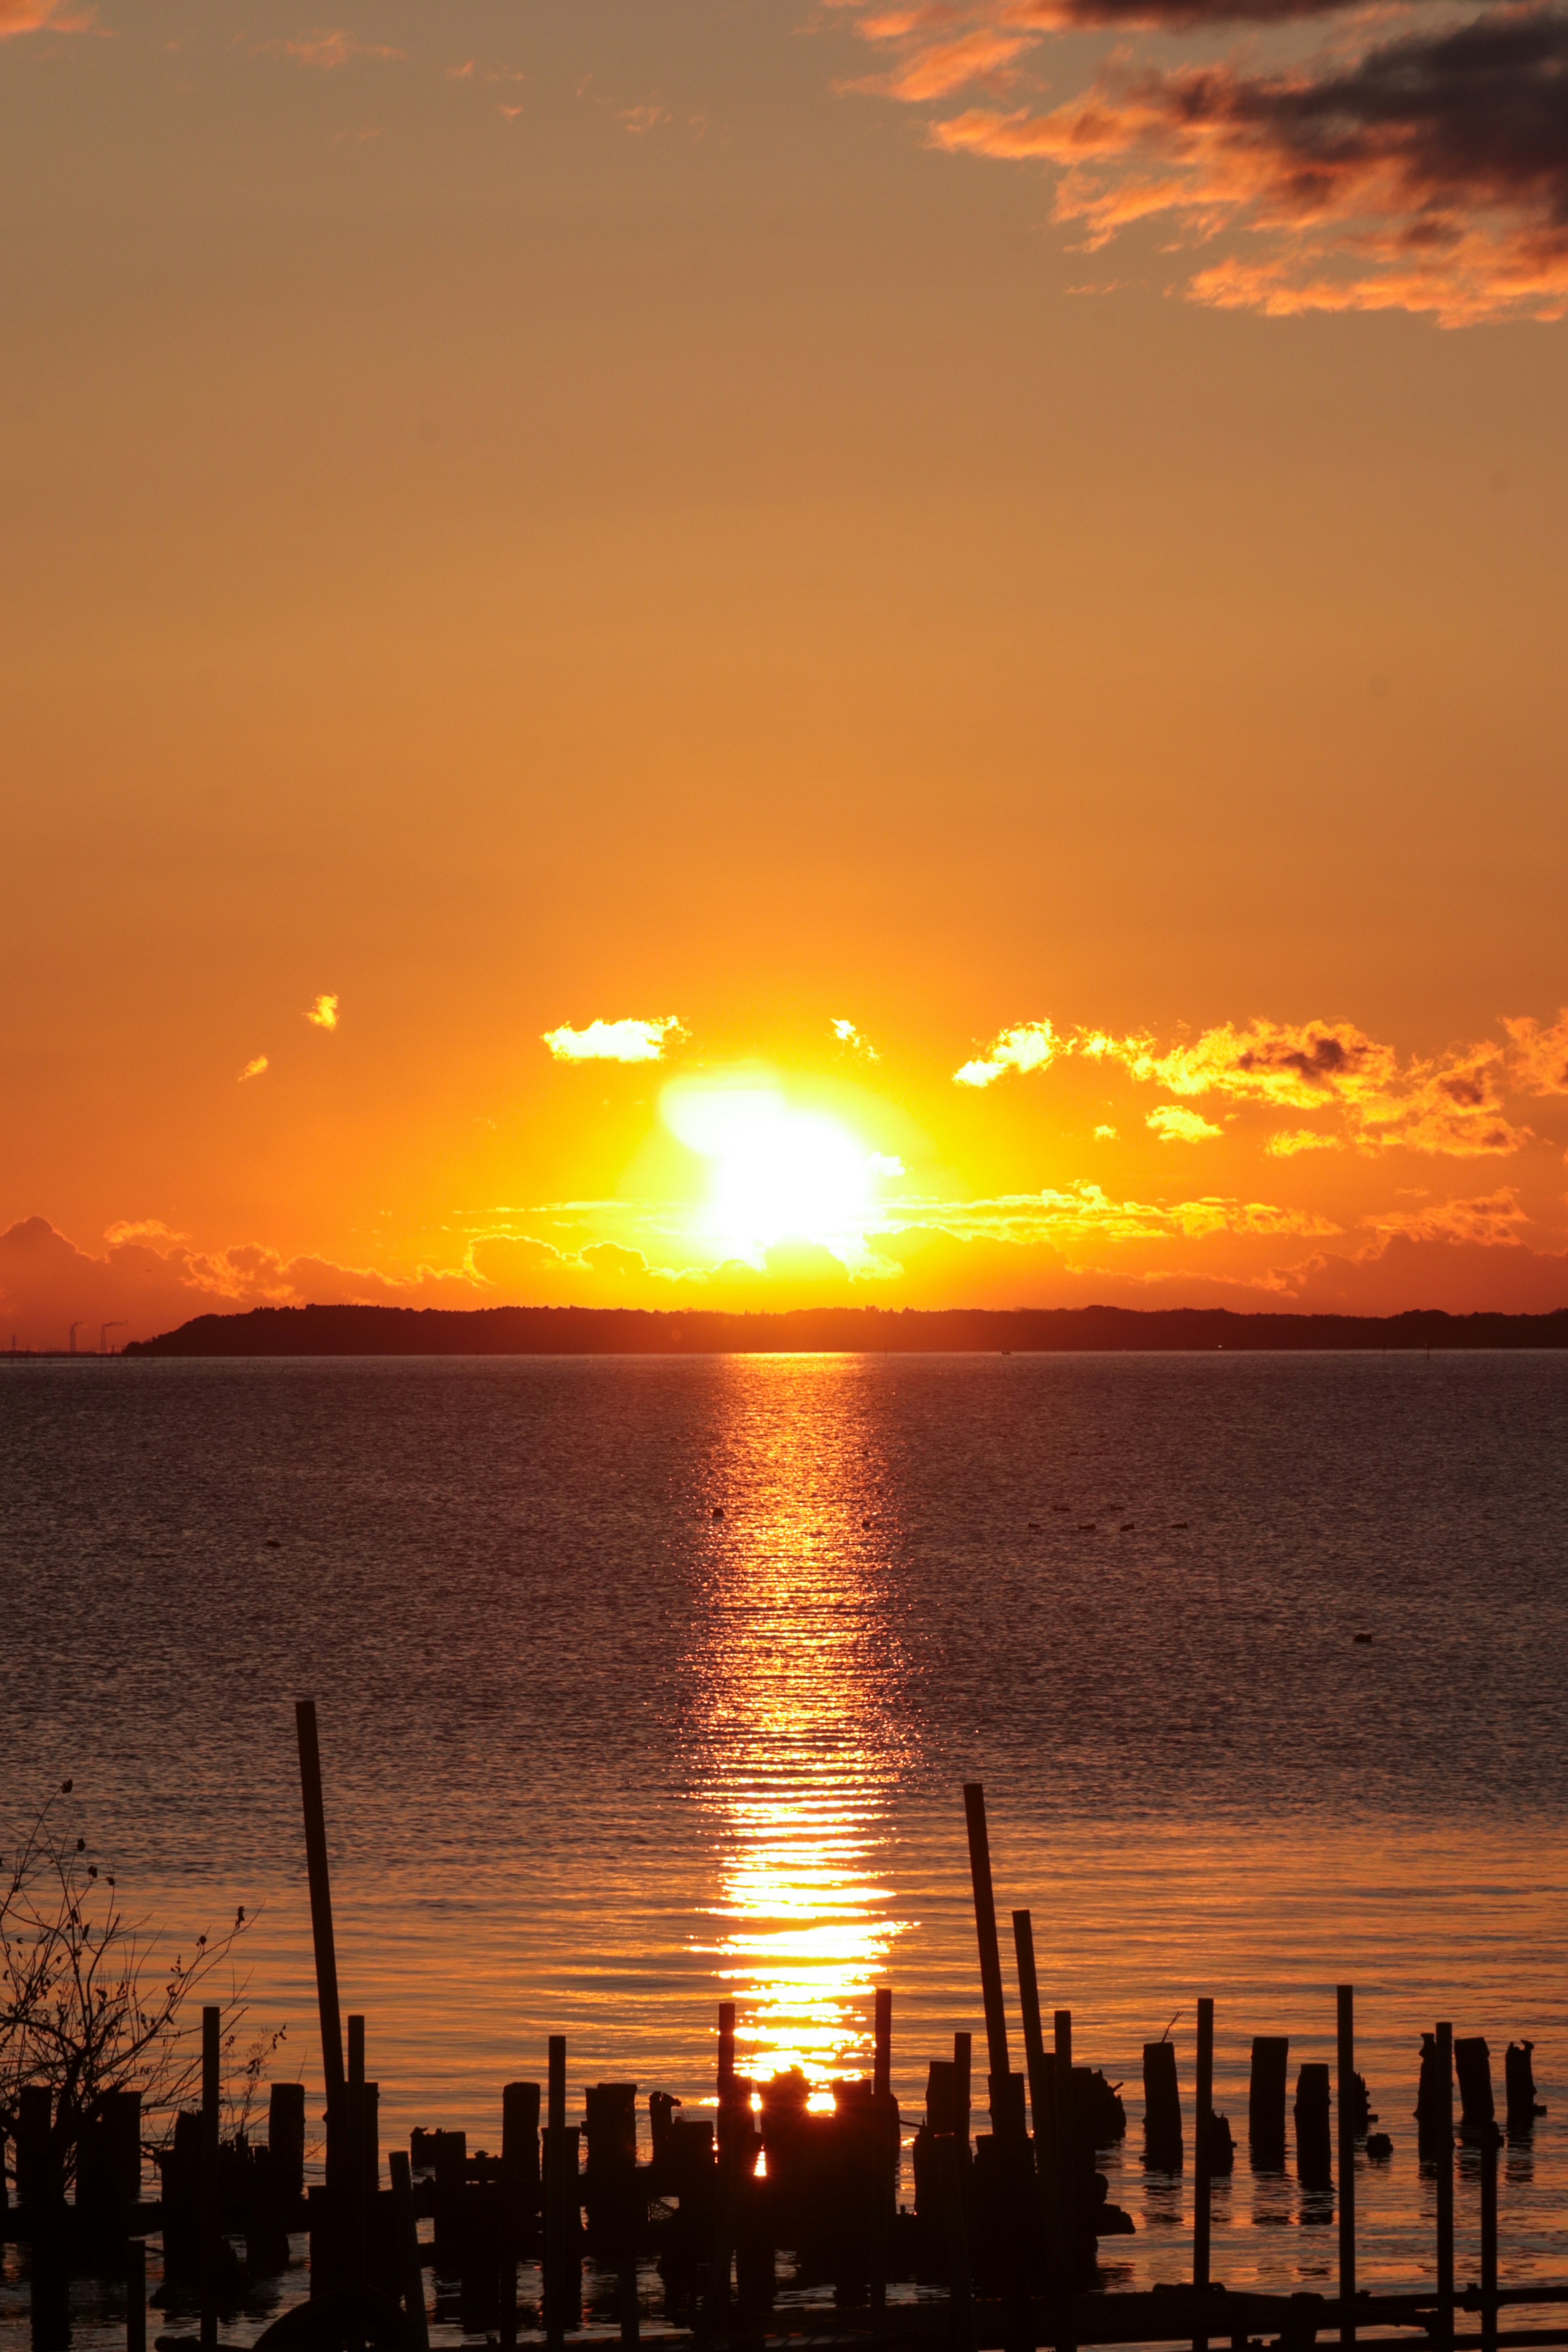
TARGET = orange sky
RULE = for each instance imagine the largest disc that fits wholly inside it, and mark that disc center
(927, 520)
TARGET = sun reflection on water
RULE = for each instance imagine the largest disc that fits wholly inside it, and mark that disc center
(800, 1754)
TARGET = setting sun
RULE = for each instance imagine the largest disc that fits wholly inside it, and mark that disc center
(778, 1174)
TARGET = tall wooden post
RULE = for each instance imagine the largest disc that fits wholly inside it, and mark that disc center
(555, 2260)
(321, 1929)
(209, 2210)
(1445, 2158)
(1202, 2159)
(885, 2144)
(136, 2296)
(354, 2118)
(1488, 2238)
(1007, 2114)
(1345, 2000)
(1066, 2172)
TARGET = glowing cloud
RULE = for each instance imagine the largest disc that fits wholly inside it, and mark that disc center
(615, 1041)
(848, 1035)
(252, 1069)
(1032, 1046)
(327, 50)
(323, 1014)
(1172, 1124)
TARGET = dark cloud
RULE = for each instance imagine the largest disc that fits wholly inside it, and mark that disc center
(1428, 174)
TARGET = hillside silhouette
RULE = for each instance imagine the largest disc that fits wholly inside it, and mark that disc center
(637, 1331)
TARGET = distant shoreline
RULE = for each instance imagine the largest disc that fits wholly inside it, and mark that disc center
(855, 1330)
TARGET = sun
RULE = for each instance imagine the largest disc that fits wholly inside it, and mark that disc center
(776, 1173)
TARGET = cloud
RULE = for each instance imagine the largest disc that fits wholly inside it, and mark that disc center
(1032, 1046)
(323, 1014)
(18, 17)
(1287, 1142)
(1429, 172)
(1173, 1124)
(615, 1041)
(1453, 1102)
(327, 50)
(254, 1068)
(1538, 1062)
(849, 1035)
(1106, 1135)
(1492, 1222)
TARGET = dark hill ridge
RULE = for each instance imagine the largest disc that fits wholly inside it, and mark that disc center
(810, 1330)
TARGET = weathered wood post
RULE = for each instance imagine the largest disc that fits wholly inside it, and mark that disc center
(1162, 2108)
(1006, 2092)
(1489, 2240)
(1042, 2089)
(884, 2115)
(356, 2155)
(210, 2217)
(1443, 2123)
(1265, 2102)
(556, 2189)
(1066, 2170)
(136, 2295)
(321, 1935)
(1202, 2159)
(410, 2268)
(1314, 2160)
(1350, 2101)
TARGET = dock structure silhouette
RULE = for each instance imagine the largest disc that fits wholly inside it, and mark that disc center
(1003, 2232)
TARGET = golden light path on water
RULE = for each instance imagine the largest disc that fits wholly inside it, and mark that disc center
(798, 1755)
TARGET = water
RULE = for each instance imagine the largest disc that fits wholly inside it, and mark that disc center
(598, 1757)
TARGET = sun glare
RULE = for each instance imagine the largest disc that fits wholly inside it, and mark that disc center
(776, 1174)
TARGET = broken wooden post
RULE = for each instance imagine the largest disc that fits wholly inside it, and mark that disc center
(1350, 2104)
(409, 2264)
(1472, 2063)
(1203, 2135)
(1162, 2108)
(1444, 2158)
(1314, 2160)
(1519, 2077)
(1265, 2102)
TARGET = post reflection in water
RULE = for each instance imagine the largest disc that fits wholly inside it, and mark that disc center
(798, 1753)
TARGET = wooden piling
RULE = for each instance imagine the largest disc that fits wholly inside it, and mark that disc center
(1007, 2110)
(356, 2154)
(1349, 2104)
(1203, 2158)
(1314, 2143)
(409, 2267)
(725, 2054)
(1040, 2068)
(1066, 2170)
(1266, 2101)
(136, 2296)
(211, 2218)
(556, 2253)
(1162, 2108)
(1444, 2158)
(320, 1899)
(1489, 2240)
(884, 2127)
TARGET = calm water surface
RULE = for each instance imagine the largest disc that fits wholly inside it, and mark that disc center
(646, 1682)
